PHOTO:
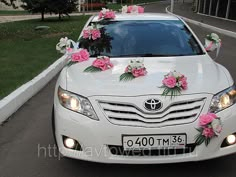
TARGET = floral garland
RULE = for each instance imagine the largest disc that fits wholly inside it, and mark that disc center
(133, 70)
(132, 9)
(91, 32)
(102, 63)
(173, 84)
(106, 14)
(210, 127)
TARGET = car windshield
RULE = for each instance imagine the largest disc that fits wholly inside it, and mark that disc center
(143, 39)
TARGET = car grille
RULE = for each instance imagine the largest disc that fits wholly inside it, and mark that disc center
(180, 112)
(119, 150)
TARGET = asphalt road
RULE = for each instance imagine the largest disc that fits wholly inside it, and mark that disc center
(29, 129)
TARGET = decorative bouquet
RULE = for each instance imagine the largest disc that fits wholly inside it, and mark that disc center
(210, 126)
(174, 83)
(134, 69)
(72, 50)
(106, 14)
(212, 42)
(100, 64)
(132, 9)
(91, 32)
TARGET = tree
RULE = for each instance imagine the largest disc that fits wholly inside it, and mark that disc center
(61, 7)
(36, 6)
(11, 3)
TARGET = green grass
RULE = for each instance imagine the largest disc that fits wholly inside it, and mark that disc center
(24, 52)
(119, 6)
(13, 12)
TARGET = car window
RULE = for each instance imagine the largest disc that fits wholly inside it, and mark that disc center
(144, 39)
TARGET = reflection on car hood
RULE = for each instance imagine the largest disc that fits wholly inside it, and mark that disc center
(203, 74)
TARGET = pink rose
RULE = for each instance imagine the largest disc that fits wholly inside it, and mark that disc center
(169, 81)
(86, 34)
(206, 119)
(110, 15)
(95, 34)
(208, 132)
(103, 64)
(184, 83)
(69, 50)
(139, 72)
(129, 9)
(80, 56)
(100, 15)
(140, 9)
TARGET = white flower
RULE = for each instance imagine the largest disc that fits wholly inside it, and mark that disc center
(63, 45)
(134, 9)
(104, 10)
(124, 9)
(136, 63)
(176, 74)
(217, 126)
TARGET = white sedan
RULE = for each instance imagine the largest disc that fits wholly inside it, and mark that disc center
(159, 97)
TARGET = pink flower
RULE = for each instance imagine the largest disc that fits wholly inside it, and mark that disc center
(127, 69)
(80, 56)
(109, 15)
(69, 50)
(139, 72)
(86, 33)
(206, 119)
(208, 132)
(140, 9)
(129, 9)
(103, 63)
(95, 34)
(184, 83)
(169, 81)
(100, 15)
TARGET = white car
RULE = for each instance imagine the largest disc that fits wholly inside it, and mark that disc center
(99, 118)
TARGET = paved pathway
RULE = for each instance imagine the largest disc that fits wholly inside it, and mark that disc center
(30, 129)
(185, 10)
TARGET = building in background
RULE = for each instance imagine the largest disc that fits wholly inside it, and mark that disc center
(219, 8)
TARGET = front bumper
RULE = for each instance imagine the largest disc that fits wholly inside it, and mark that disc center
(95, 137)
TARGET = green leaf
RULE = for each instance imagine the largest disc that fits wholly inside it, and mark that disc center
(70, 63)
(126, 77)
(92, 69)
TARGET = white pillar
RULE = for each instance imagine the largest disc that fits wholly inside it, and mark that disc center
(172, 6)
(228, 9)
(209, 12)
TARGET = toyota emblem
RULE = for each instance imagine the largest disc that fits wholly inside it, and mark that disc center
(152, 104)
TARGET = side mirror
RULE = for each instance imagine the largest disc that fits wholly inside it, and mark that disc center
(212, 43)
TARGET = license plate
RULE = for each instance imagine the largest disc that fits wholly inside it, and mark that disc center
(154, 141)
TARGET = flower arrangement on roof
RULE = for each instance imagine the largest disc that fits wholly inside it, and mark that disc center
(106, 14)
(134, 9)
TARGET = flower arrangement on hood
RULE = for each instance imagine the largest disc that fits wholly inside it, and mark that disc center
(210, 126)
(72, 50)
(132, 9)
(91, 33)
(133, 70)
(102, 63)
(173, 83)
(106, 14)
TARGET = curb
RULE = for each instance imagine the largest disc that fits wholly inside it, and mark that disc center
(219, 30)
(11, 103)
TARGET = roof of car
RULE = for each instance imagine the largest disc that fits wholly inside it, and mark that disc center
(144, 16)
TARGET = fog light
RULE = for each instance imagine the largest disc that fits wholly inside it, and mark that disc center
(231, 139)
(69, 143)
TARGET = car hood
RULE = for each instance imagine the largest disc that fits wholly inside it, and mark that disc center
(203, 76)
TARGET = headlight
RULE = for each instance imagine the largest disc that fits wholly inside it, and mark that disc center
(76, 103)
(223, 100)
